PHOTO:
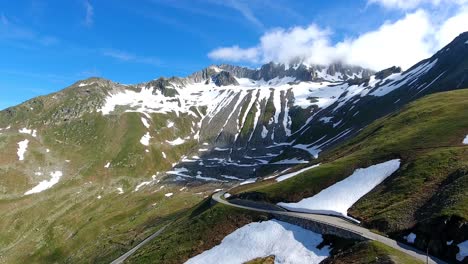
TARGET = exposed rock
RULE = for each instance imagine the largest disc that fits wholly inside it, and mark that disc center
(224, 78)
(387, 72)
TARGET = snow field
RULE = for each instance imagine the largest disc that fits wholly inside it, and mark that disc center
(44, 185)
(289, 244)
(339, 197)
(22, 147)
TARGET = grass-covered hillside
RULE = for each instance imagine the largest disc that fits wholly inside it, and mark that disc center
(428, 192)
(198, 230)
(111, 192)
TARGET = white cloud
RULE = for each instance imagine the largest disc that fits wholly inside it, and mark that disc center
(404, 4)
(452, 27)
(235, 54)
(89, 18)
(414, 4)
(404, 42)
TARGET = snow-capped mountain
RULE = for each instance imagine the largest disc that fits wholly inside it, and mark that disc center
(226, 122)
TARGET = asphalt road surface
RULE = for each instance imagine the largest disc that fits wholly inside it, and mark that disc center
(341, 224)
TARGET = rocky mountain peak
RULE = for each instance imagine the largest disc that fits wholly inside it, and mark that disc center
(224, 78)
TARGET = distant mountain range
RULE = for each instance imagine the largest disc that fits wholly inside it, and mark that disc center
(234, 120)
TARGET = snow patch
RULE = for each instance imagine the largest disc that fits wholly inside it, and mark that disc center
(221, 149)
(176, 142)
(313, 150)
(107, 165)
(32, 132)
(291, 161)
(169, 194)
(145, 122)
(248, 181)
(22, 147)
(231, 177)
(145, 139)
(44, 185)
(287, 242)
(326, 119)
(463, 250)
(465, 140)
(338, 198)
(120, 190)
(264, 132)
(145, 183)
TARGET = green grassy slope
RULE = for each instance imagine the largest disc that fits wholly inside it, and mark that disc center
(371, 252)
(428, 189)
(68, 222)
(199, 230)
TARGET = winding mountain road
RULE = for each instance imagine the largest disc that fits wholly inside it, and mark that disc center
(341, 224)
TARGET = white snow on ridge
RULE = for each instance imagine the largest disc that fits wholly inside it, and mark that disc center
(326, 119)
(465, 140)
(399, 79)
(463, 250)
(145, 139)
(248, 181)
(231, 177)
(44, 185)
(215, 98)
(313, 150)
(32, 132)
(145, 183)
(22, 147)
(264, 132)
(179, 172)
(145, 122)
(338, 198)
(291, 161)
(287, 242)
(176, 142)
(292, 174)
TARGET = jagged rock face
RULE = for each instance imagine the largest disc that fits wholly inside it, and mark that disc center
(224, 78)
(226, 122)
(301, 72)
(387, 72)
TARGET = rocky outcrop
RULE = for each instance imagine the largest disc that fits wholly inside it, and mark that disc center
(164, 86)
(387, 72)
(224, 78)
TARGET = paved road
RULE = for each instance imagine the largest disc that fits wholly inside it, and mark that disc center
(122, 258)
(342, 224)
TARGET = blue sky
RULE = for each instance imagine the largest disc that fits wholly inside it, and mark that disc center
(47, 45)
